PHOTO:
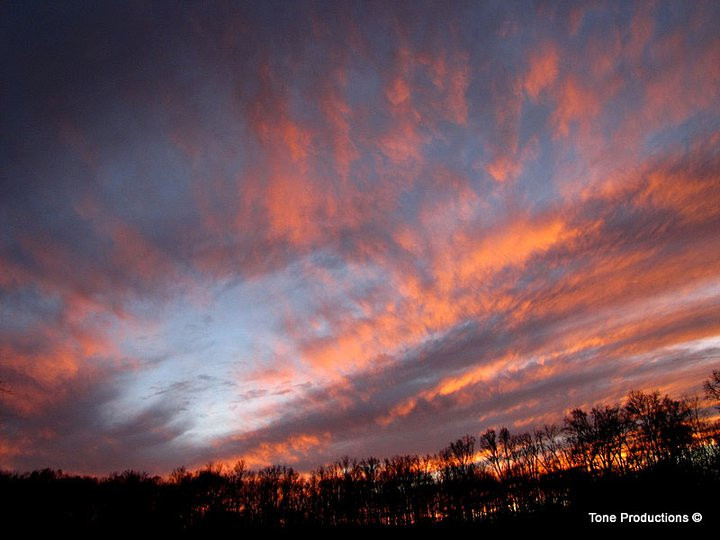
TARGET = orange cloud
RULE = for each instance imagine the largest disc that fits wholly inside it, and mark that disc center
(339, 115)
(292, 207)
(683, 87)
(296, 139)
(398, 92)
(575, 103)
(400, 410)
(416, 250)
(617, 280)
(511, 245)
(402, 143)
(358, 342)
(450, 73)
(456, 103)
(504, 167)
(543, 71)
(289, 451)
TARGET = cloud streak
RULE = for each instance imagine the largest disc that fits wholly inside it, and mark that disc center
(292, 232)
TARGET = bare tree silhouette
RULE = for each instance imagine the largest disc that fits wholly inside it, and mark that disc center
(653, 451)
(712, 387)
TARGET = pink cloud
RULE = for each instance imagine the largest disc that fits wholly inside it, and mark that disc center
(543, 71)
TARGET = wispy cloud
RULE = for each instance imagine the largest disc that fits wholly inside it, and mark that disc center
(292, 232)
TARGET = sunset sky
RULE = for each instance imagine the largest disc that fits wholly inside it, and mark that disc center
(290, 231)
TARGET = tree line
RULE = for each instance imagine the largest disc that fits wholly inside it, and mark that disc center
(651, 452)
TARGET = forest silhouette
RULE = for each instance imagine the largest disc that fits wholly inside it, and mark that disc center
(652, 454)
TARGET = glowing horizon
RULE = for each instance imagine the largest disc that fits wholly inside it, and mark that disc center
(293, 231)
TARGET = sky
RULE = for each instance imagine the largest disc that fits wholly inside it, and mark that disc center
(290, 231)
